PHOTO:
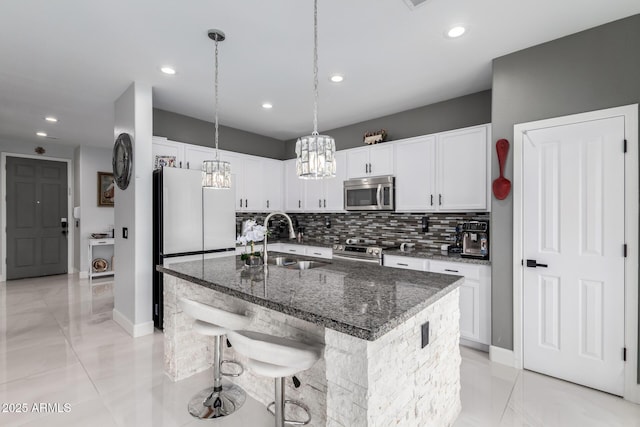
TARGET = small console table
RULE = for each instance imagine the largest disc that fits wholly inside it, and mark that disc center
(94, 245)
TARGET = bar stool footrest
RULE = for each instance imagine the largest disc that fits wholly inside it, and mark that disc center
(231, 374)
(297, 403)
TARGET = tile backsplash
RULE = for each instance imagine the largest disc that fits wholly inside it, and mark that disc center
(386, 228)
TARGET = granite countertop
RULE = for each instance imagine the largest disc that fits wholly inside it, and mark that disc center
(437, 255)
(359, 299)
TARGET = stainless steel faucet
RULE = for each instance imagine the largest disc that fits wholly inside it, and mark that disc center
(292, 233)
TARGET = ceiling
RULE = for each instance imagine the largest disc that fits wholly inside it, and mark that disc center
(73, 58)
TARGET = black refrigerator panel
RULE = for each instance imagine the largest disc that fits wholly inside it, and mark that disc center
(157, 306)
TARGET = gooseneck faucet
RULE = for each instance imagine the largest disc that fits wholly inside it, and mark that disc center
(292, 233)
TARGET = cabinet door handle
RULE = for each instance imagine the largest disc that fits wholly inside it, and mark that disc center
(402, 264)
(246, 203)
(299, 204)
(292, 250)
(440, 199)
(267, 203)
(325, 203)
(240, 202)
(317, 253)
(180, 164)
(452, 271)
(366, 168)
(370, 168)
(432, 200)
(188, 165)
(319, 203)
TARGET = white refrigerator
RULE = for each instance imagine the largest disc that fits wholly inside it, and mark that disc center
(189, 223)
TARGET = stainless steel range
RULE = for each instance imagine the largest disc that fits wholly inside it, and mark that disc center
(359, 250)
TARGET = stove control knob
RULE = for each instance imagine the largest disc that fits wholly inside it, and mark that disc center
(376, 252)
(370, 251)
(335, 246)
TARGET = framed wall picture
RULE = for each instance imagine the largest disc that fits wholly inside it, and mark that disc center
(164, 162)
(106, 189)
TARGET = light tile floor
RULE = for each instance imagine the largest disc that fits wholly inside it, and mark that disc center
(59, 345)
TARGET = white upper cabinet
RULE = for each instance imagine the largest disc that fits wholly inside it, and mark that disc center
(272, 189)
(293, 188)
(374, 160)
(257, 182)
(415, 174)
(462, 169)
(315, 195)
(445, 172)
(196, 154)
(334, 187)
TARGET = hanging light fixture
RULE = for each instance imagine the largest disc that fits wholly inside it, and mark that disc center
(315, 154)
(216, 173)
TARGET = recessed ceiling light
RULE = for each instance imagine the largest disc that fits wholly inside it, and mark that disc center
(267, 106)
(41, 134)
(51, 119)
(168, 70)
(456, 31)
(336, 78)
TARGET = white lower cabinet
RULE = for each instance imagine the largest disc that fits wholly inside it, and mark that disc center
(475, 299)
(312, 251)
(408, 263)
(475, 294)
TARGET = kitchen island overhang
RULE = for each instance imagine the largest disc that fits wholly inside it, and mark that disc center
(374, 371)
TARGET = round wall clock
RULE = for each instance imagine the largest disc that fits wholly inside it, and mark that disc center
(122, 161)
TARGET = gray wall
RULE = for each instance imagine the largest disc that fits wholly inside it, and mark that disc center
(595, 69)
(469, 110)
(181, 128)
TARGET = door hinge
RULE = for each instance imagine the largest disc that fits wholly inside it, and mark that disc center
(624, 354)
(625, 145)
(625, 250)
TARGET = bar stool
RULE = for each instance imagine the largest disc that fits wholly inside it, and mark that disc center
(217, 401)
(277, 358)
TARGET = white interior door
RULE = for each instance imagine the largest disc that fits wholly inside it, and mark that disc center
(573, 229)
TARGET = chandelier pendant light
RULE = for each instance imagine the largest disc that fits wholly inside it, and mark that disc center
(315, 154)
(216, 173)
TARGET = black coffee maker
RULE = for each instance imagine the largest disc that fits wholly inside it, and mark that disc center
(456, 248)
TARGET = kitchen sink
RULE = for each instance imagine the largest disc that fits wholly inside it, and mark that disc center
(293, 264)
(305, 265)
(282, 261)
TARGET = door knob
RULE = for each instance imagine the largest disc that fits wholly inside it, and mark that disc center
(533, 263)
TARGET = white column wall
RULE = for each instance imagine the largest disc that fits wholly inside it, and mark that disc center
(133, 208)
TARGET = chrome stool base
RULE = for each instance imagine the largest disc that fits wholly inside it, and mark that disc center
(301, 405)
(209, 403)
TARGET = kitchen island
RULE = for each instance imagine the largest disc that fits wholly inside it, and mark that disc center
(375, 371)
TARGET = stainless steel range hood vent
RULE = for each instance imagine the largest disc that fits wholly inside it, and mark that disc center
(412, 4)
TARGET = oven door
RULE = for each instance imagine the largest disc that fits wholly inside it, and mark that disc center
(369, 197)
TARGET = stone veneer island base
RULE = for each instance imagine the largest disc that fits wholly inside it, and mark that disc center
(383, 379)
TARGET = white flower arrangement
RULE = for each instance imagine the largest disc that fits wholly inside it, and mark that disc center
(251, 233)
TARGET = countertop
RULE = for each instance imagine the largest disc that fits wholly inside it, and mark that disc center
(359, 299)
(415, 253)
(437, 255)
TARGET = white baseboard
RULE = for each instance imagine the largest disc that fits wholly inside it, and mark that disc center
(502, 356)
(84, 275)
(135, 330)
(473, 344)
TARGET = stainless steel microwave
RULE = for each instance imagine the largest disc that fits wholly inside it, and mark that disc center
(370, 194)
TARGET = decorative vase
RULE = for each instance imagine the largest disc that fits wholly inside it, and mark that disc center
(253, 261)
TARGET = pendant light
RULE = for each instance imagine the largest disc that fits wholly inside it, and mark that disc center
(216, 173)
(315, 154)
